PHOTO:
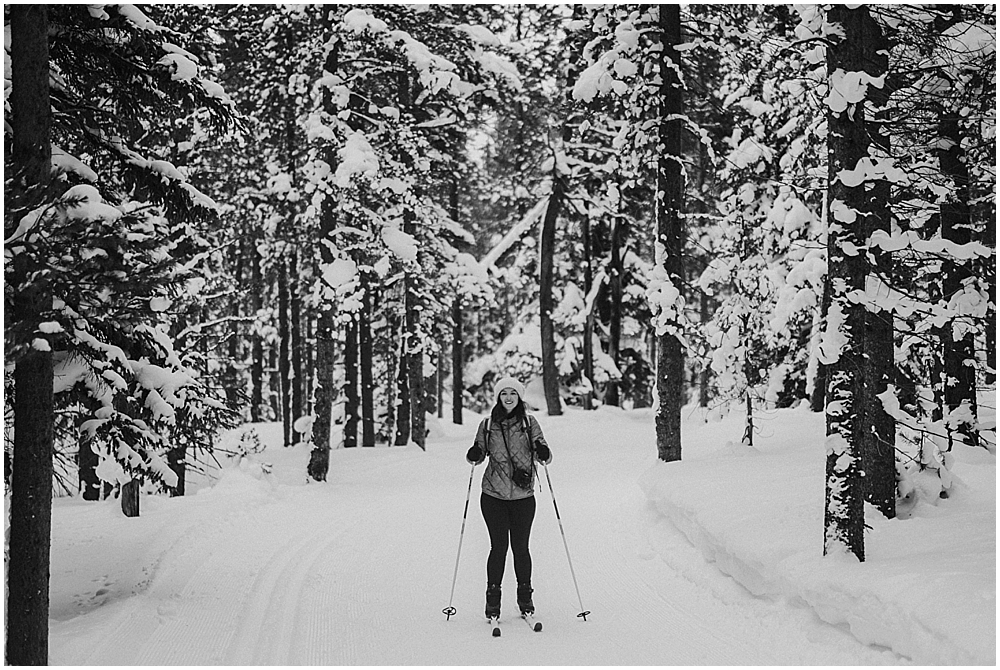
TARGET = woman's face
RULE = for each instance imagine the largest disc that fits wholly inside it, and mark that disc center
(508, 399)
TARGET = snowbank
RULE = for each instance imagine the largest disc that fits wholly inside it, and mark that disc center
(927, 590)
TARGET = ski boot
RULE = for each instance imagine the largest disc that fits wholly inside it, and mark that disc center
(493, 601)
(524, 599)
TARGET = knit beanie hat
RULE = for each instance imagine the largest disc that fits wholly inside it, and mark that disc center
(508, 383)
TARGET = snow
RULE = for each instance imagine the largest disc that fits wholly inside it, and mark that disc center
(849, 88)
(358, 20)
(834, 337)
(594, 80)
(402, 245)
(137, 18)
(500, 66)
(516, 232)
(869, 170)
(664, 299)
(357, 158)
(917, 574)
(64, 162)
(215, 90)
(160, 304)
(85, 202)
(340, 272)
(480, 34)
(713, 560)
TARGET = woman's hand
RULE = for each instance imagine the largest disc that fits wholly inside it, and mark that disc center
(475, 455)
(543, 454)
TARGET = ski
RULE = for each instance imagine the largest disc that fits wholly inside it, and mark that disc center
(533, 623)
(495, 622)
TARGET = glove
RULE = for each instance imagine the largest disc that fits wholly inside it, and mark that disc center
(474, 455)
(543, 454)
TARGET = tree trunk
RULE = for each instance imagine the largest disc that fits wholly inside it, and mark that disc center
(284, 354)
(30, 512)
(308, 357)
(847, 142)
(367, 364)
(457, 324)
(705, 375)
(91, 486)
(351, 405)
(27, 611)
(325, 392)
(439, 368)
(403, 394)
(298, 381)
(130, 498)
(670, 234)
(588, 360)
(319, 457)
(415, 368)
(274, 383)
(233, 373)
(749, 428)
(588, 327)
(616, 281)
(956, 226)
(90, 483)
(817, 400)
(550, 374)
(989, 274)
(391, 379)
(414, 347)
(256, 339)
(177, 462)
(878, 429)
(326, 327)
(457, 362)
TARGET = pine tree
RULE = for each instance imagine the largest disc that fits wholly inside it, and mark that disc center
(670, 237)
(104, 247)
(844, 339)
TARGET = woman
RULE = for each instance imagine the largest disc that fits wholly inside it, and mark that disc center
(513, 441)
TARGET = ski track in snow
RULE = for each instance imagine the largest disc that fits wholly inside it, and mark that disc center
(356, 571)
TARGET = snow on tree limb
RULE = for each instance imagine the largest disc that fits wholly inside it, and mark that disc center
(533, 216)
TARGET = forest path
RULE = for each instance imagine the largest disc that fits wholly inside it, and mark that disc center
(260, 571)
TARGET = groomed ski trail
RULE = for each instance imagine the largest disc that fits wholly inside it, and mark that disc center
(355, 571)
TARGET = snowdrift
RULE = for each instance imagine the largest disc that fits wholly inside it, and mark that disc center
(927, 589)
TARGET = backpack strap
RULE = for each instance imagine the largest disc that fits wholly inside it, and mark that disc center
(531, 443)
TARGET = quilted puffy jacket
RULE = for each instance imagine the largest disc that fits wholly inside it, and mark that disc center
(508, 436)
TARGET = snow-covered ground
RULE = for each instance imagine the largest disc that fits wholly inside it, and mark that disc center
(715, 560)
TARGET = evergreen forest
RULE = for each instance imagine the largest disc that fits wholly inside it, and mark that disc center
(350, 218)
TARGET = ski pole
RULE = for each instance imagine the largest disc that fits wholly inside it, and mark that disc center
(449, 610)
(583, 612)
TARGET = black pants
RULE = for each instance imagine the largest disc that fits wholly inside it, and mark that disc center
(509, 524)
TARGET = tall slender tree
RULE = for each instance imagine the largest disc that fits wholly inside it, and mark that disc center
(668, 210)
(31, 480)
(878, 428)
(844, 340)
(550, 374)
